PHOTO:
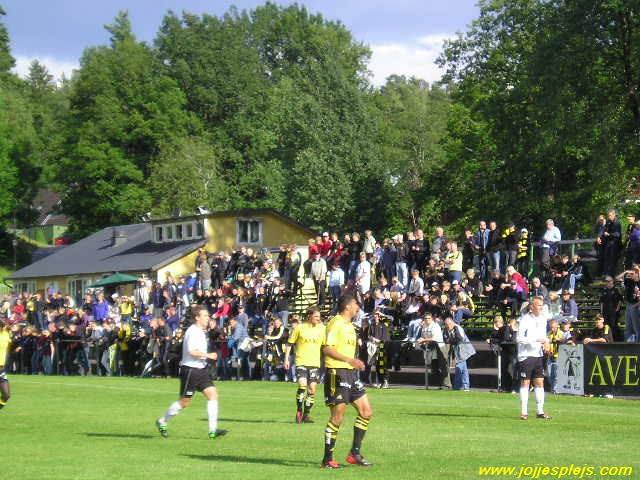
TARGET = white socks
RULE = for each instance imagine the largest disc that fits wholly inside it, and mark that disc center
(539, 393)
(212, 411)
(174, 409)
(524, 400)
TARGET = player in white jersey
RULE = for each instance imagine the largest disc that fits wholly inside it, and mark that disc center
(195, 376)
(533, 343)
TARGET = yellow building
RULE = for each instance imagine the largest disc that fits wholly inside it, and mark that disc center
(158, 247)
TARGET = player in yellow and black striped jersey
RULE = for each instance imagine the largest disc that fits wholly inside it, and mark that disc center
(5, 341)
(308, 339)
(342, 385)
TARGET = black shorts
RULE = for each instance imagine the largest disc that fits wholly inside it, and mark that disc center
(3, 375)
(531, 367)
(342, 385)
(194, 380)
(312, 374)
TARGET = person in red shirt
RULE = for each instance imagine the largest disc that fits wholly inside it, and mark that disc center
(325, 245)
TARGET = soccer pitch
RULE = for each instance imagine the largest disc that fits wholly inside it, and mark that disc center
(103, 428)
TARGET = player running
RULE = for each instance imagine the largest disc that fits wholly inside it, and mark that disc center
(308, 339)
(532, 344)
(5, 341)
(194, 375)
(342, 385)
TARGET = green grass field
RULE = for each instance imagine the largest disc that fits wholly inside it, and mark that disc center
(103, 428)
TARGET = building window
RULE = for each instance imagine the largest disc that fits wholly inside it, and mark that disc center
(200, 229)
(189, 230)
(249, 232)
(77, 289)
(179, 232)
(158, 234)
(22, 287)
(169, 232)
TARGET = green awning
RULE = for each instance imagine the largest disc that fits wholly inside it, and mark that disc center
(115, 279)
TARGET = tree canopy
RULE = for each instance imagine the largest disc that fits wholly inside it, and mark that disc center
(538, 116)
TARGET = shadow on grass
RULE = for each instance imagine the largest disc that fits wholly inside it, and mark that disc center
(118, 435)
(257, 460)
(461, 415)
(246, 420)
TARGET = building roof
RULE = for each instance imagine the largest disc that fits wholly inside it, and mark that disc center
(47, 205)
(246, 212)
(95, 254)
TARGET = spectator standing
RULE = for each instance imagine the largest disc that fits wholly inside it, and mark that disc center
(610, 306)
(495, 247)
(481, 242)
(319, 276)
(611, 243)
(455, 336)
(336, 284)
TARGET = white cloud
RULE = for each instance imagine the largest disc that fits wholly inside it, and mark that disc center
(55, 66)
(415, 59)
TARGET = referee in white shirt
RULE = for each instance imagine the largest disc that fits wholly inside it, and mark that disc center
(533, 343)
(194, 375)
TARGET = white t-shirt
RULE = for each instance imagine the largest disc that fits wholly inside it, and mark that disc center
(363, 272)
(531, 329)
(194, 339)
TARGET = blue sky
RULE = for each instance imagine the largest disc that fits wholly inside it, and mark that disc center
(405, 35)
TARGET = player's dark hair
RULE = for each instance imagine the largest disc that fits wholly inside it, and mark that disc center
(311, 310)
(344, 301)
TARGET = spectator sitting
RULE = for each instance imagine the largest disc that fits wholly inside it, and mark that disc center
(601, 333)
(473, 285)
(567, 333)
(568, 307)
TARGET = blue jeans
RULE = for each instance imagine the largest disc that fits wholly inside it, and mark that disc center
(552, 373)
(494, 260)
(461, 381)
(353, 265)
(456, 275)
(461, 314)
(632, 324)
(47, 364)
(403, 273)
(414, 329)
(570, 281)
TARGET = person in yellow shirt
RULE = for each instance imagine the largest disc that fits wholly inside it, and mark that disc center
(453, 262)
(5, 341)
(308, 339)
(342, 385)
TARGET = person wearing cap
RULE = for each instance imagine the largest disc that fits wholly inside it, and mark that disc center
(568, 307)
(319, 276)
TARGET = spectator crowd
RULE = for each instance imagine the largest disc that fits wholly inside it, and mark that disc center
(425, 290)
